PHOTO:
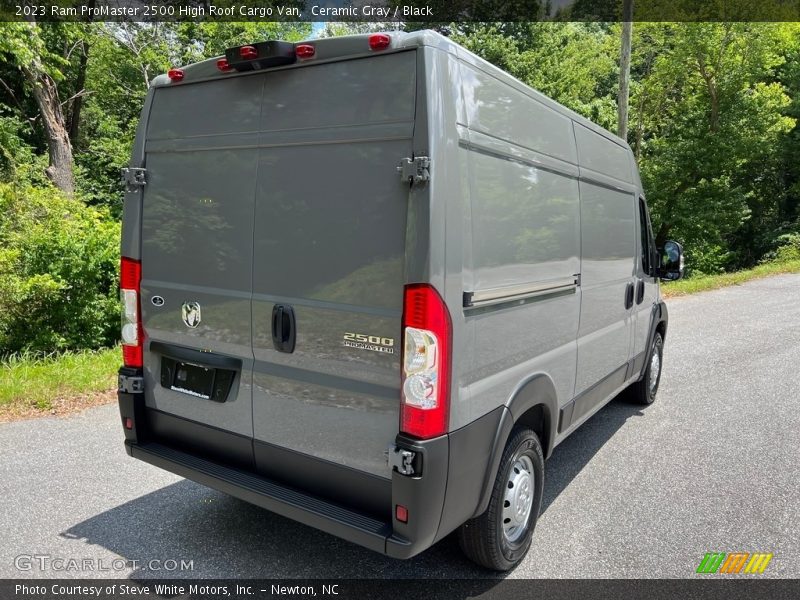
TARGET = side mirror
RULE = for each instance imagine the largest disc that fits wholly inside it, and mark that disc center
(671, 267)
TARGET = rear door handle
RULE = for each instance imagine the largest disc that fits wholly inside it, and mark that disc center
(284, 329)
(629, 295)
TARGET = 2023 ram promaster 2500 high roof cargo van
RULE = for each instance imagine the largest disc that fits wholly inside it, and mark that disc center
(371, 282)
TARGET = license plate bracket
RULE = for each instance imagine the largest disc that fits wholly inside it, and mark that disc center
(207, 383)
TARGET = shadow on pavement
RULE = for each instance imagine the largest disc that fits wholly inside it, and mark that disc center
(228, 538)
(571, 456)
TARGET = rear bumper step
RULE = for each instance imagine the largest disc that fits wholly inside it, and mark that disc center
(325, 516)
(225, 462)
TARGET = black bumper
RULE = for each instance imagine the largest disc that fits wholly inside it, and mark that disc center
(423, 496)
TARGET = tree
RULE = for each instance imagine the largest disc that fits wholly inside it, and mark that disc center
(23, 44)
(714, 118)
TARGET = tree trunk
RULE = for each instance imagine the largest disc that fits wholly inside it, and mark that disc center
(77, 103)
(80, 82)
(45, 92)
(624, 69)
(711, 86)
(58, 145)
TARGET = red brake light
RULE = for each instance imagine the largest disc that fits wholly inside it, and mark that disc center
(248, 52)
(427, 339)
(305, 51)
(222, 65)
(130, 277)
(379, 41)
(175, 74)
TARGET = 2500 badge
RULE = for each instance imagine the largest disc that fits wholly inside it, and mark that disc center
(362, 341)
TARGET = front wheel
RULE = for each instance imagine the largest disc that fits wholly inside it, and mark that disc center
(500, 537)
(644, 391)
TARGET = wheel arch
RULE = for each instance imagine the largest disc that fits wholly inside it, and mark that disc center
(659, 319)
(534, 404)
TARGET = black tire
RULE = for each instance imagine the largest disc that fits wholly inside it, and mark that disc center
(484, 539)
(641, 392)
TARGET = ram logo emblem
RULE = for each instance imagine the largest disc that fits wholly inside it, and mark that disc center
(190, 311)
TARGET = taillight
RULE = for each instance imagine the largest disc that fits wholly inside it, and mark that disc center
(248, 52)
(223, 65)
(175, 74)
(427, 338)
(130, 276)
(305, 51)
(379, 41)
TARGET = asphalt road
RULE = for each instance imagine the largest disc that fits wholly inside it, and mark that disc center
(713, 465)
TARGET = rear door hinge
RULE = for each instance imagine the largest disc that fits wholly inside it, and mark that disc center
(401, 460)
(415, 170)
(130, 384)
(134, 178)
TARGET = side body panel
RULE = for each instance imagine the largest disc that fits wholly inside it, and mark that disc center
(608, 244)
(513, 143)
(609, 192)
(520, 160)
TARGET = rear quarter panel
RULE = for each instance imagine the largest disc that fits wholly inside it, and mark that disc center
(518, 160)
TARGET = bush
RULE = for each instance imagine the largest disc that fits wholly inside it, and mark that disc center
(789, 248)
(58, 272)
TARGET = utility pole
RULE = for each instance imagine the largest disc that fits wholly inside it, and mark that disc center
(624, 69)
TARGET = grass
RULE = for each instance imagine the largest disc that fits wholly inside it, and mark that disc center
(713, 282)
(32, 385)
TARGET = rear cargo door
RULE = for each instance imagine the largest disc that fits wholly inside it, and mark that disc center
(330, 226)
(197, 258)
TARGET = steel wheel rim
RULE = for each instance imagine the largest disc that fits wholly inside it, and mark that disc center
(518, 499)
(655, 370)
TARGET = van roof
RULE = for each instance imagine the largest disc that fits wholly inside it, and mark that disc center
(355, 46)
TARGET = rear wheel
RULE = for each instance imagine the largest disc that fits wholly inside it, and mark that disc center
(500, 537)
(644, 391)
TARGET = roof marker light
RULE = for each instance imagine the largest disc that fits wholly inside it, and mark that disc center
(248, 52)
(379, 41)
(305, 51)
(175, 74)
(223, 65)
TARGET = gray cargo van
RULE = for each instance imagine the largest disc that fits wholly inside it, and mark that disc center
(370, 282)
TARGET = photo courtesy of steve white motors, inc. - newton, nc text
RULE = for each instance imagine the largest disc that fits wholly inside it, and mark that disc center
(469, 299)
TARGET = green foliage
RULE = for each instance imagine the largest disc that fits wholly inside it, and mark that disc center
(707, 117)
(16, 156)
(30, 380)
(58, 272)
(789, 248)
